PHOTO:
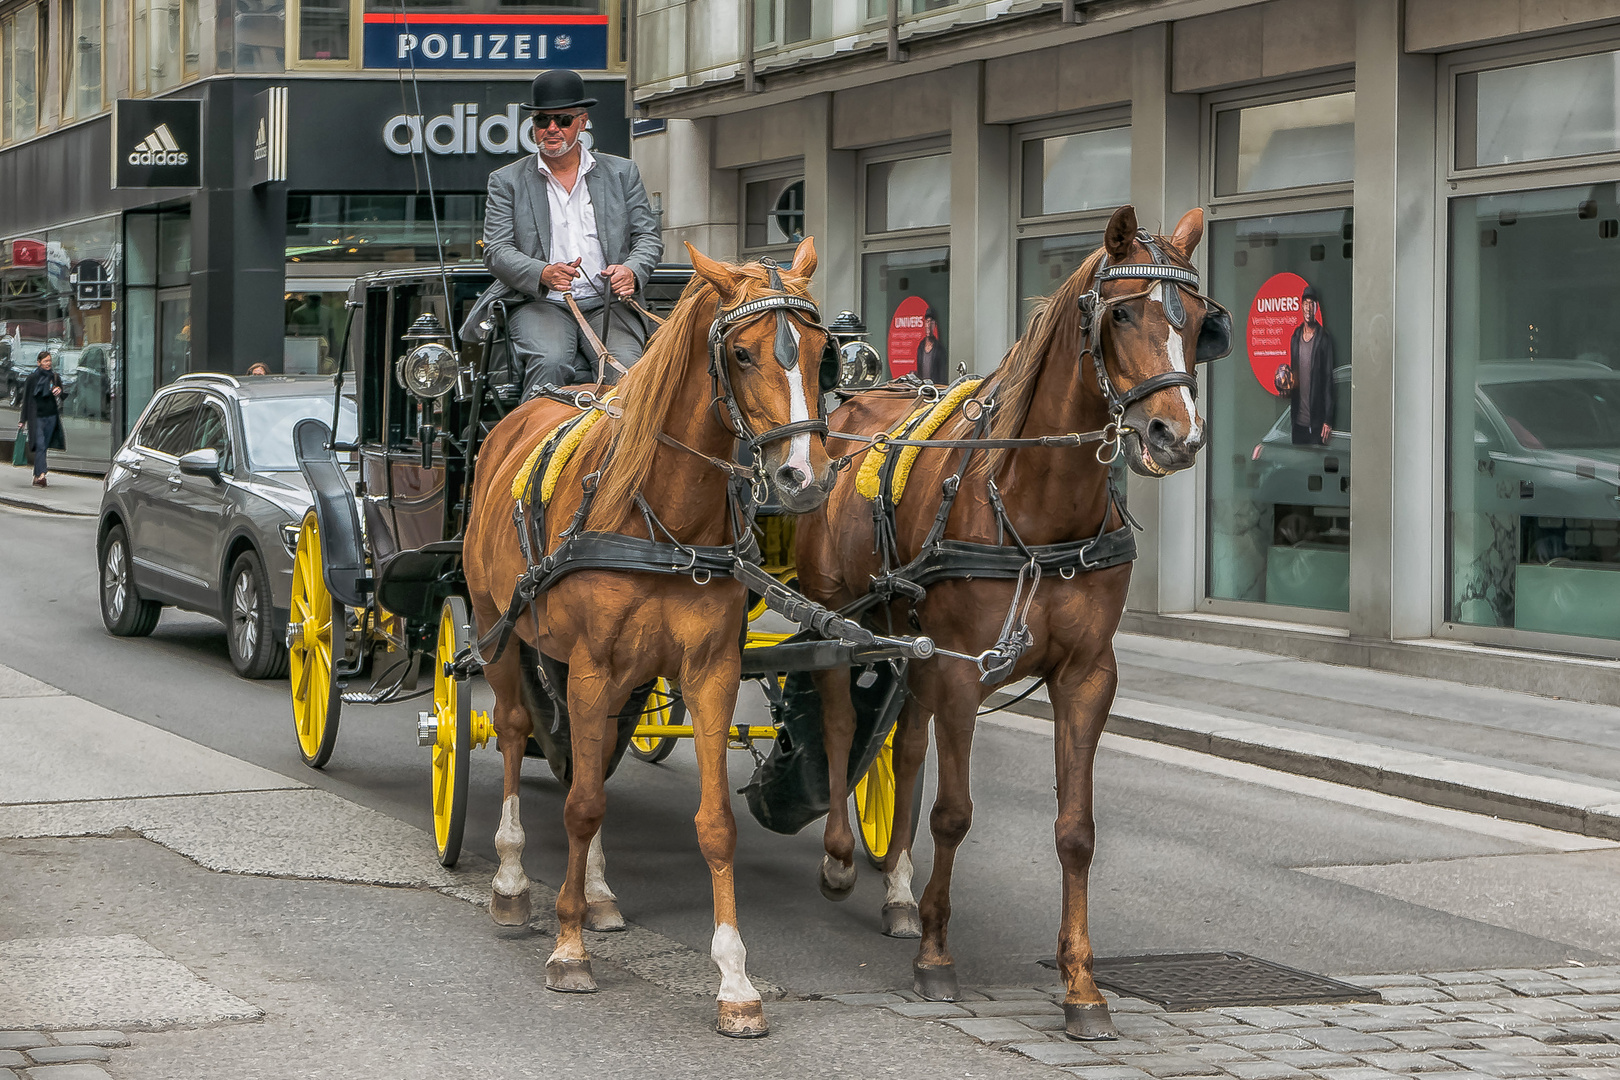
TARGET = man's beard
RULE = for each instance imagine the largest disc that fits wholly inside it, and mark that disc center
(568, 147)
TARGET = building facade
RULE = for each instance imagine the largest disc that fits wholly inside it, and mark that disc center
(328, 132)
(1431, 183)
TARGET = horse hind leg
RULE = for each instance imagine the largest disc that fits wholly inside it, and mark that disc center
(601, 906)
(900, 914)
(837, 876)
(509, 903)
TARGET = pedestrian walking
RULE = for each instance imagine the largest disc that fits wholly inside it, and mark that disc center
(41, 413)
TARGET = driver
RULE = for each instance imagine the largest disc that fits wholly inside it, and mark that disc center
(567, 221)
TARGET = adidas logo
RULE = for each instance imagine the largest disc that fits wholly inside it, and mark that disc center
(158, 148)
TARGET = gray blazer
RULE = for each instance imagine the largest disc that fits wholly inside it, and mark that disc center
(517, 229)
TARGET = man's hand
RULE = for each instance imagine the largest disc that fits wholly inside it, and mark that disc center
(559, 277)
(621, 279)
(1327, 432)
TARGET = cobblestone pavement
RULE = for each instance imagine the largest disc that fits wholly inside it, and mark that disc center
(1509, 1023)
(60, 1055)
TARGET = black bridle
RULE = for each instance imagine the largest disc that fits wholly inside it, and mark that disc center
(786, 348)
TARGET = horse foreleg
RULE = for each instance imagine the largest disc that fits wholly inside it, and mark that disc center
(934, 971)
(900, 914)
(1079, 707)
(837, 877)
(711, 696)
(589, 712)
(601, 906)
(509, 903)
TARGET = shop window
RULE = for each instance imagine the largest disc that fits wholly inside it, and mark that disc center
(1046, 262)
(1289, 144)
(382, 228)
(906, 301)
(81, 67)
(21, 59)
(1535, 412)
(1064, 174)
(1278, 412)
(1535, 112)
(912, 193)
(773, 212)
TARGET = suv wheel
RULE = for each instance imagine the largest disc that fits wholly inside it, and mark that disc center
(258, 650)
(123, 610)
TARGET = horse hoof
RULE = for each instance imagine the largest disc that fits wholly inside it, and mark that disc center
(510, 910)
(603, 917)
(934, 982)
(901, 921)
(1088, 1022)
(570, 977)
(742, 1020)
(829, 887)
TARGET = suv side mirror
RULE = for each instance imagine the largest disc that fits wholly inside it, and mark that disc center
(201, 463)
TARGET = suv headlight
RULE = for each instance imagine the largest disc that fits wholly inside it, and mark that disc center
(289, 537)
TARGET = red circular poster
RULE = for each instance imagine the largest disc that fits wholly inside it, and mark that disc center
(1273, 315)
(905, 334)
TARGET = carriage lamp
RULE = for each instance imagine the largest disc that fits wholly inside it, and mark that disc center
(431, 368)
(859, 365)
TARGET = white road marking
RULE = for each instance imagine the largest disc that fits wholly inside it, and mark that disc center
(732, 958)
(596, 886)
(1479, 824)
(510, 879)
(1178, 360)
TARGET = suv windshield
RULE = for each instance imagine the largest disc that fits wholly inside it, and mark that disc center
(268, 426)
(1561, 414)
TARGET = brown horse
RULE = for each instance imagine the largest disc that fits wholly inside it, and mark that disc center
(1045, 386)
(617, 629)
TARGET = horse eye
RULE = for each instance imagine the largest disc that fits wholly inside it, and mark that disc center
(743, 359)
(1122, 315)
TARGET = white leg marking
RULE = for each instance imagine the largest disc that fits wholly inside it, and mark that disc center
(836, 873)
(510, 879)
(732, 958)
(1176, 350)
(899, 882)
(596, 886)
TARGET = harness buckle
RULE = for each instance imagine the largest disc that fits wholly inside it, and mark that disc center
(1066, 572)
(707, 574)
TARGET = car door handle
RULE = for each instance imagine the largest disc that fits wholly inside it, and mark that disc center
(175, 478)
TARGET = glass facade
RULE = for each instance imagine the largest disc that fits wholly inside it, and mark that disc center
(1538, 112)
(906, 303)
(20, 57)
(1069, 173)
(1290, 144)
(81, 69)
(1046, 262)
(323, 29)
(1279, 412)
(382, 228)
(157, 304)
(1535, 411)
(57, 293)
(912, 193)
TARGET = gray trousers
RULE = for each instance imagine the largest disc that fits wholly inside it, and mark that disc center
(549, 343)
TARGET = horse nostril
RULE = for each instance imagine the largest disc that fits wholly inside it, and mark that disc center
(790, 478)
(1160, 435)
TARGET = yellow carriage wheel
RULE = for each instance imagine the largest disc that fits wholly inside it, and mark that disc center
(452, 731)
(315, 632)
(664, 707)
(874, 804)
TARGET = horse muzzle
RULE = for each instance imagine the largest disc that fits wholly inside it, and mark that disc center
(1155, 449)
(798, 491)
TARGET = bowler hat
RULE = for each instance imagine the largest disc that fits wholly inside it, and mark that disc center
(559, 89)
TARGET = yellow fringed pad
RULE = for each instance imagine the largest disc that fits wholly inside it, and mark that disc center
(868, 481)
(571, 432)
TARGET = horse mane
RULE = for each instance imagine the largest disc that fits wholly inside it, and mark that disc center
(648, 392)
(1055, 323)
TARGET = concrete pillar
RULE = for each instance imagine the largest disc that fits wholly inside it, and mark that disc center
(1164, 185)
(830, 212)
(238, 260)
(1395, 530)
(982, 325)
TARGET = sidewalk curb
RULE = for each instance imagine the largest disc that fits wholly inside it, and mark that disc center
(44, 508)
(1531, 799)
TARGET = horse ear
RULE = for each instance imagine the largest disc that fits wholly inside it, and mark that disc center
(725, 279)
(1121, 233)
(1189, 230)
(804, 258)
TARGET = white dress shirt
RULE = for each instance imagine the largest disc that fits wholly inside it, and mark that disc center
(573, 231)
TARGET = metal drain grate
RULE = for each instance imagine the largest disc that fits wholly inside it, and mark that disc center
(1181, 982)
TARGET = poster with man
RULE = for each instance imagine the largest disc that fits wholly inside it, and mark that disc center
(1292, 352)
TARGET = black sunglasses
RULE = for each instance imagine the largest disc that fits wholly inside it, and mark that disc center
(564, 121)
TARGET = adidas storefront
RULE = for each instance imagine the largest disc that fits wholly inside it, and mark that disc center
(220, 226)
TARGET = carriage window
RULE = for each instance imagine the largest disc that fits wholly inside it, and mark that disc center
(1278, 412)
(1533, 112)
(1068, 173)
(913, 193)
(1290, 144)
(1535, 405)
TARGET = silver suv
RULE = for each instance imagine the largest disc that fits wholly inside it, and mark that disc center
(201, 510)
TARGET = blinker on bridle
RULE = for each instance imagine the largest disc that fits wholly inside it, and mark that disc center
(785, 346)
(1214, 335)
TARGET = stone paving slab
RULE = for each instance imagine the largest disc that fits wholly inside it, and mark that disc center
(70, 1055)
(1476, 1026)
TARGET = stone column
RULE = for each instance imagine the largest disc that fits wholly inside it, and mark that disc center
(830, 213)
(982, 325)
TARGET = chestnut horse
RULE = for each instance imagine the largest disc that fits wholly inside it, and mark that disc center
(1047, 385)
(711, 375)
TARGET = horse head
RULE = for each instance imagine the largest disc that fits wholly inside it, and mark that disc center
(1146, 330)
(767, 346)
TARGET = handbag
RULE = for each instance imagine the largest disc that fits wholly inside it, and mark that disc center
(19, 448)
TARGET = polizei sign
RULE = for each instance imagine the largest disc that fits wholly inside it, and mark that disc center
(157, 144)
(483, 42)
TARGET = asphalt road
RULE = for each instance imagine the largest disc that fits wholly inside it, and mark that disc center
(1193, 854)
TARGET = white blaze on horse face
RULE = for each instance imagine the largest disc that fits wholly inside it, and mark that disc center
(1177, 353)
(732, 959)
(596, 886)
(898, 881)
(799, 445)
(510, 879)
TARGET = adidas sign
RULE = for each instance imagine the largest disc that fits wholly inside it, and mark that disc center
(159, 148)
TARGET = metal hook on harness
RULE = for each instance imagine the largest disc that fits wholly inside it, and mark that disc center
(707, 574)
(1112, 441)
